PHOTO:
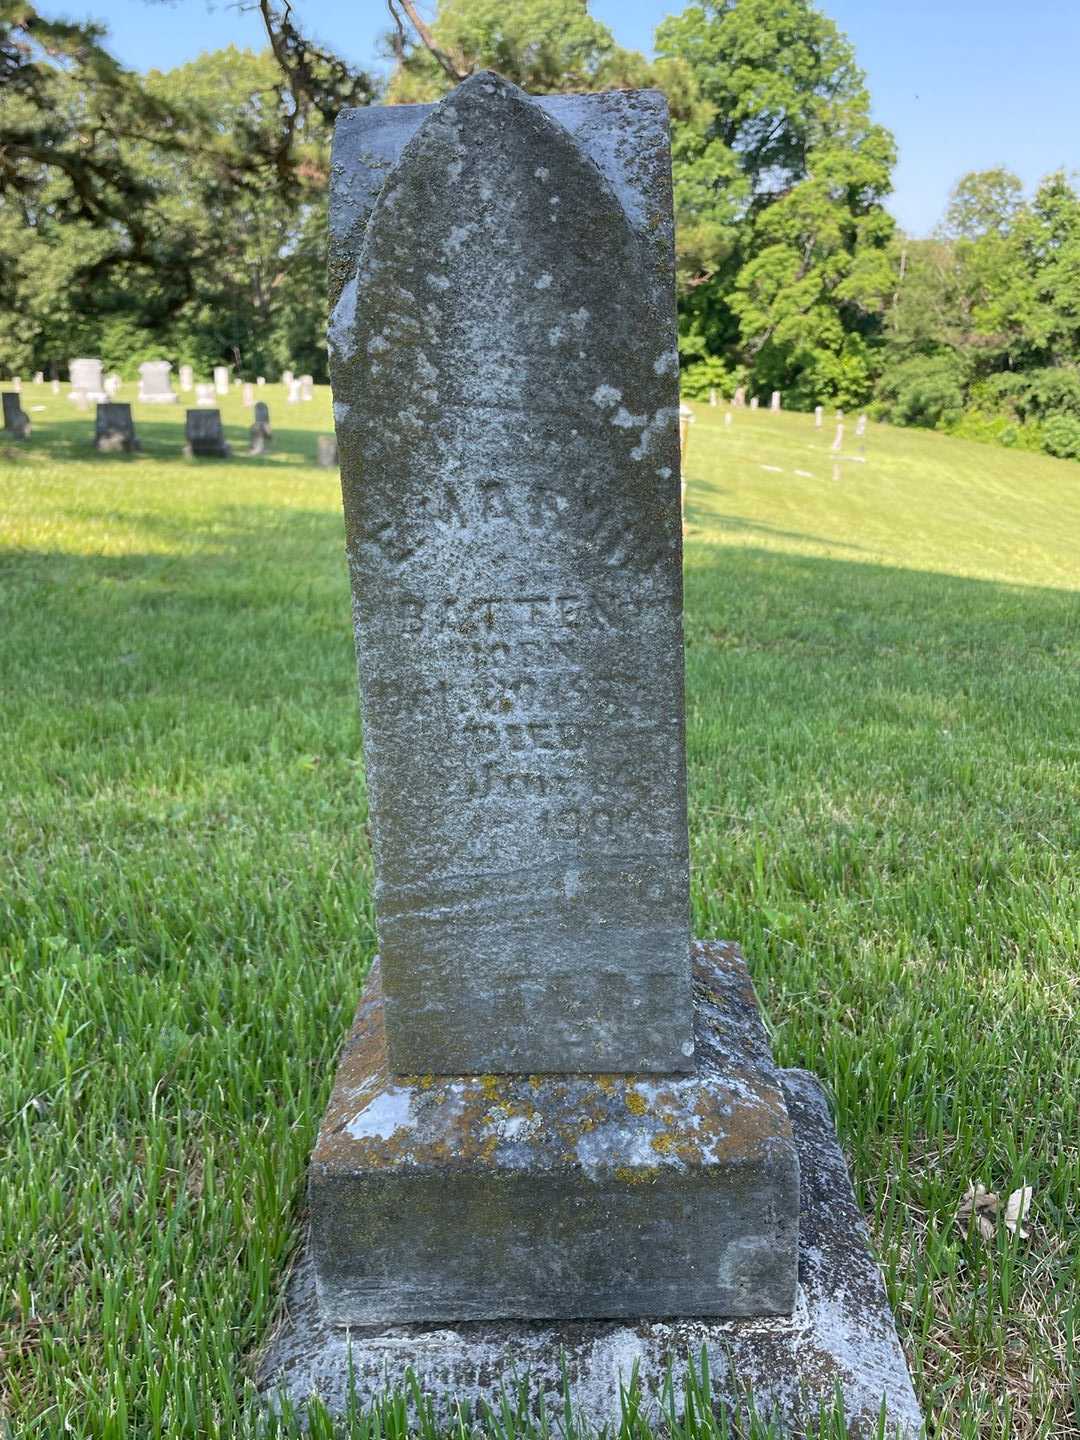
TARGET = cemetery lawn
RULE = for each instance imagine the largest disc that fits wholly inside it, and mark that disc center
(884, 745)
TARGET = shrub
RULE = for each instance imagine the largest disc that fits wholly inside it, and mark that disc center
(925, 390)
(1061, 437)
(708, 374)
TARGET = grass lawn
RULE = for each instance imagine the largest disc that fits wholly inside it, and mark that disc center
(884, 743)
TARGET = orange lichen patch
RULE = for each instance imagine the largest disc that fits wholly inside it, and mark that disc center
(637, 1174)
(635, 1102)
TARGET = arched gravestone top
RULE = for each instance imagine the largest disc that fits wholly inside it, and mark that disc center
(505, 380)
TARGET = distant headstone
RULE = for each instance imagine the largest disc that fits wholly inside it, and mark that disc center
(286, 378)
(294, 392)
(16, 420)
(86, 379)
(39, 377)
(739, 399)
(754, 403)
(328, 457)
(54, 386)
(205, 396)
(261, 434)
(114, 428)
(819, 415)
(306, 387)
(221, 379)
(112, 385)
(860, 426)
(838, 439)
(260, 380)
(155, 388)
(774, 403)
(839, 415)
(728, 417)
(204, 434)
(247, 395)
(16, 384)
(187, 378)
(712, 395)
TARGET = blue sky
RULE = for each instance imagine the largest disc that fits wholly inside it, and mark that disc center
(963, 84)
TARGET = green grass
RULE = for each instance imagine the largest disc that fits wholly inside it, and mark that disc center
(884, 739)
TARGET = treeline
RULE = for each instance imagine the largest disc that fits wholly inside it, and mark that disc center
(183, 214)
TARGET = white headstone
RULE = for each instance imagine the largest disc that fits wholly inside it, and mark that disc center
(819, 415)
(54, 386)
(260, 379)
(712, 395)
(187, 378)
(838, 442)
(754, 402)
(221, 379)
(306, 390)
(860, 426)
(39, 377)
(16, 384)
(286, 377)
(294, 392)
(86, 379)
(774, 403)
(155, 387)
(112, 385)
(727, 417)
(205, 395)
(247, 395)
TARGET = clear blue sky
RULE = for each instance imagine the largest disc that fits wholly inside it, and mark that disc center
(963, 84)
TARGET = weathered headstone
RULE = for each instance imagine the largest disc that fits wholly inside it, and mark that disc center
(187, 378)
(16, 384)
(16, 420)
(293, 396)
(774, 403)
(204, 435)
(39, 377)
(306, 387)
(287, 378)
(819, 414)
(754, 402)
(838, 438)
(205, 396)
(261, 433)
(327, 452)
(221, 379)
(114, 429)
(739, 399)
(521, 1125)
(112, 385)
(260, 379)
(86, 379)
(860, 427)
(247, 394)
(155, 388)
(54, 385)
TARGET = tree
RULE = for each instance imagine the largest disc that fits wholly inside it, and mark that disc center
(780, 174)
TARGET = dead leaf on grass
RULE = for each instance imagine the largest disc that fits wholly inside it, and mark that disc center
(985, 1206)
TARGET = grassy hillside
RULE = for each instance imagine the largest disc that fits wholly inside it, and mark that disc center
(884, 740)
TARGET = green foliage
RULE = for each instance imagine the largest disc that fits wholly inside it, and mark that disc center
(925, 390)
(779, 177)
(1061, 437)
(710, 373)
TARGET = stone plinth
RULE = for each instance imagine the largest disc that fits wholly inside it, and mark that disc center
(840, 1336)
(588, 1195)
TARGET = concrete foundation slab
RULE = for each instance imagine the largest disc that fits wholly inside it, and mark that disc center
(840, 1337)
(532, 1196)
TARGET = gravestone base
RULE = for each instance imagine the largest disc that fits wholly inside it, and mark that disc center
(526, 1196)
(839, 1339)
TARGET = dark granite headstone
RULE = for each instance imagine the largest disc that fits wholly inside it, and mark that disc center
(204, 434)
(507, 421)
(114, 428)
(16, 420)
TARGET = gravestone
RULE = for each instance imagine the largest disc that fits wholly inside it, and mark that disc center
(260, 380)
(39, 377)
(327, 452)
(112, 385)
(552, 1106)
(754, 403)
(838, 438)
(155, 388)
(187, 378)
(16, 420)
(712, 395)
(204, 435)
(819, 413)
(205, 396)
(739, 399)
(86, 380)
(774, 403)
(293, 396)
(261, 434)
(247, 395)
(16, 384)
(306, 387)
(114, 429)
(860, 426)
(221, 379)
(54, 386)
(287, 378)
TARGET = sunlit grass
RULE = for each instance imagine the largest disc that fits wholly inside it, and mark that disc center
(884, 740)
